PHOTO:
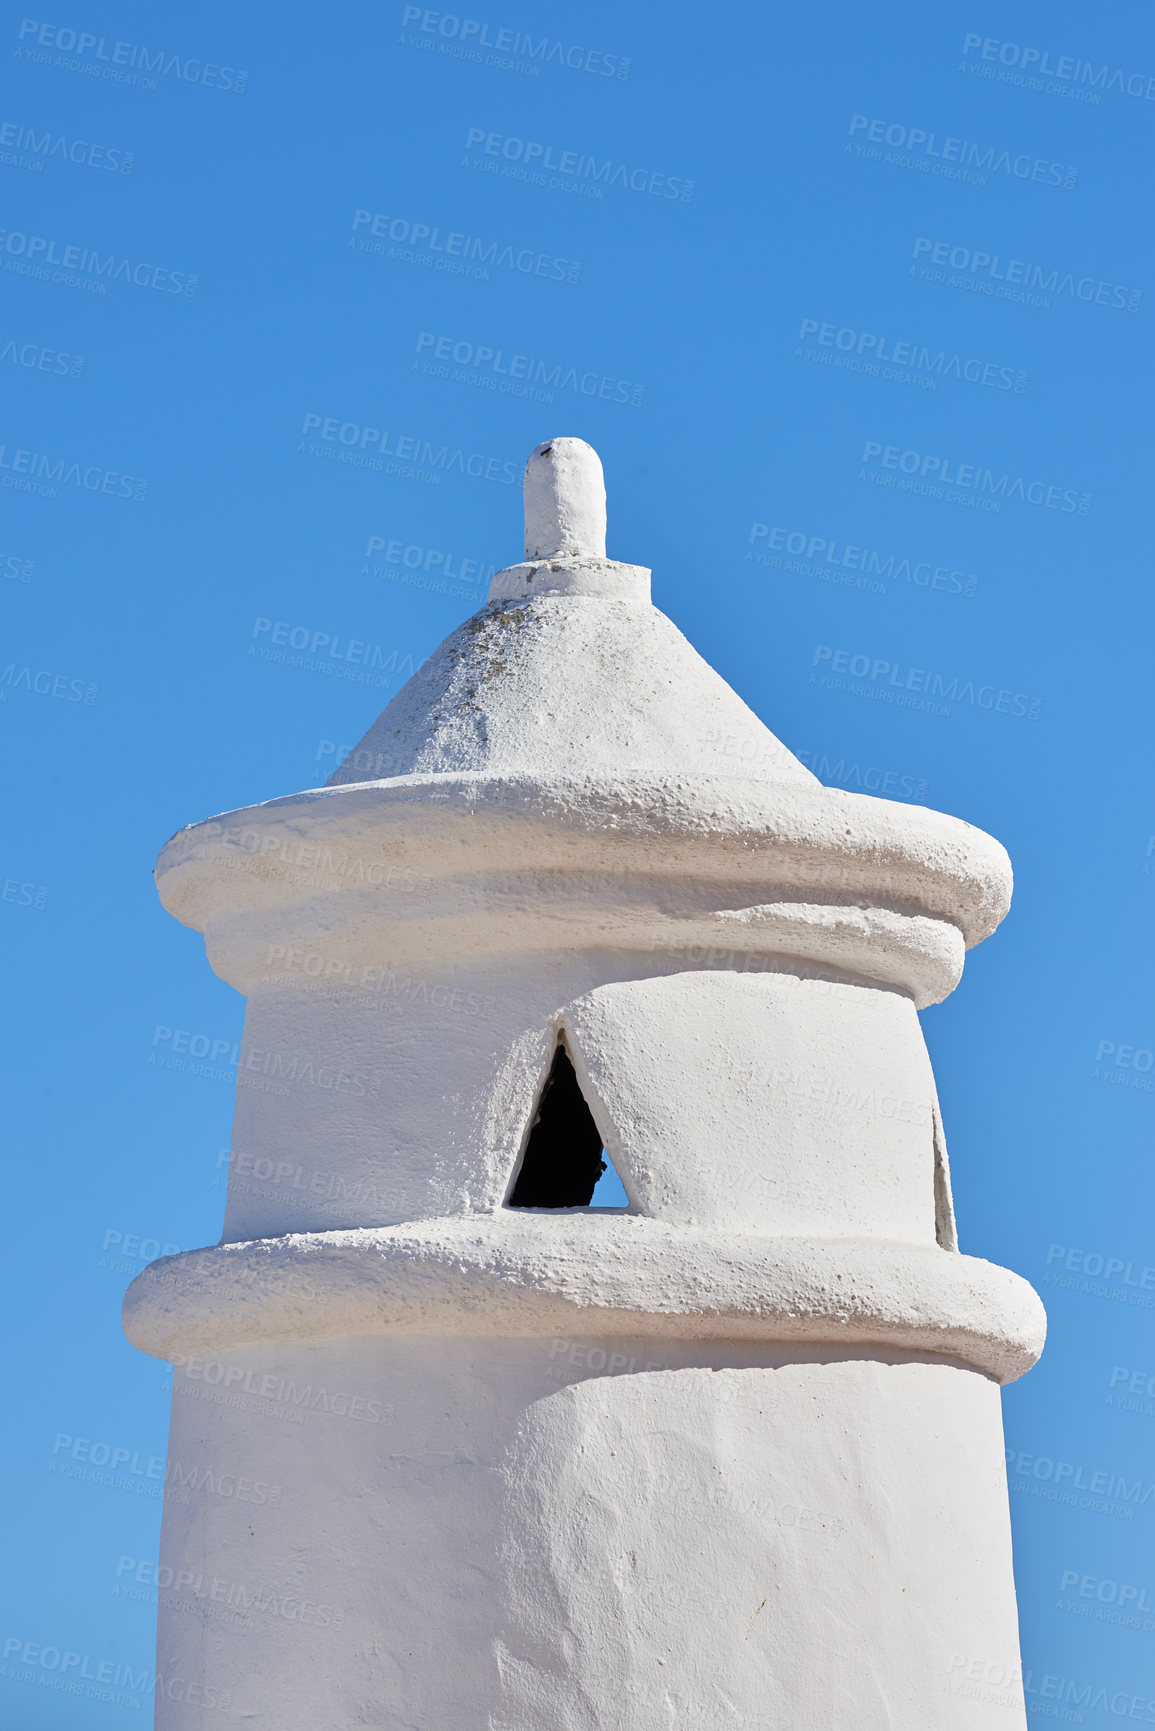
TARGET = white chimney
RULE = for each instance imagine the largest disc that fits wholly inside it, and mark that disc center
(453, 1450)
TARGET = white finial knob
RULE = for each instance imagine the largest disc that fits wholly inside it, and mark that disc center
(565, 501)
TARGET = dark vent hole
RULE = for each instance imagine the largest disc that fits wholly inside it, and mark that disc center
(564, 1156)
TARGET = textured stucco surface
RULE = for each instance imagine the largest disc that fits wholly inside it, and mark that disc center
(591, 1534)
(728, 1457)
(409, 871)
(565, 501)
(819, 1117)
(528, 1275)
(575, 684)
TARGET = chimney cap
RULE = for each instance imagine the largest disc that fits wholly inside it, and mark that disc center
(565, 532)
(565, 501)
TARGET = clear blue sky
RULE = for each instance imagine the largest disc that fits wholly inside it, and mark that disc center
(851, 282)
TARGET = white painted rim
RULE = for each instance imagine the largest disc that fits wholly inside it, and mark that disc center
(605, 1274)
(821, 844)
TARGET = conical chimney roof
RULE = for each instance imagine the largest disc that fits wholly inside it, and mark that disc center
(569, 668)
(566, 771)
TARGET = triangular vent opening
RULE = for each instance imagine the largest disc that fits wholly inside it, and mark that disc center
(565, 1165)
